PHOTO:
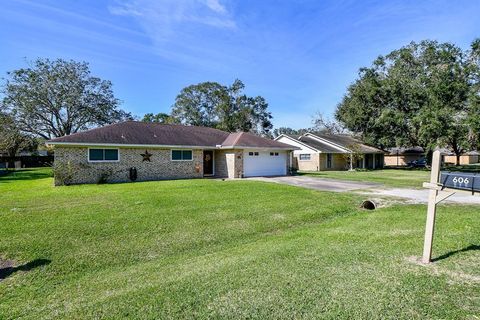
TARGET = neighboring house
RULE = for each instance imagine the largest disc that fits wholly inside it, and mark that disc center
(318, 152)
(402, 156)
(150, 151)
(470, 157)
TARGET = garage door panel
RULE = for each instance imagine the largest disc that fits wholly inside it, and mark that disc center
(264, 164)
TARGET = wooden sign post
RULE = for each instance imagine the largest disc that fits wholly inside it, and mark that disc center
(432, 209)
(452, 182)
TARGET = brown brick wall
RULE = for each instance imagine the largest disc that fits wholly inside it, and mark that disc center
(339, 162)
(464, 159)
(229, 163)
(391, 160)
(160, 167)
(308, 165)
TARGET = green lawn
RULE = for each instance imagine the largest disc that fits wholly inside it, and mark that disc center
(227, 249)
(403, 178)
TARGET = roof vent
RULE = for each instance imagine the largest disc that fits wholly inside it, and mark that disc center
(123, 137)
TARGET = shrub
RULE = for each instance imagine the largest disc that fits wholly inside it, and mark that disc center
(64, 173)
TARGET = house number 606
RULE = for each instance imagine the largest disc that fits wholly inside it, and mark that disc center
(460, 180)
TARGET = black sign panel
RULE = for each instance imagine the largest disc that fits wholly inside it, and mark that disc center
(460, 180)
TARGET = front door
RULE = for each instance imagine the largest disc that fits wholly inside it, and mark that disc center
(208, 162)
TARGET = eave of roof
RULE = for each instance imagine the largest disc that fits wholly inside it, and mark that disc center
(324, 143)
(295, 140)
(140, 135)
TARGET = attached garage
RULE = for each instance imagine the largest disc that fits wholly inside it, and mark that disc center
(264, 163)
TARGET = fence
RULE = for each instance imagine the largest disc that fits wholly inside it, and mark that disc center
(26, 161)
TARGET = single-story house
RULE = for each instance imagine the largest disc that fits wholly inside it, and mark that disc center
(135, 150)
(402, 156)
(470, 157)
(318, 152)
(399, 157)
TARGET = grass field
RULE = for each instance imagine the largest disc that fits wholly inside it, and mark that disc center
(403, 178)
(226, 249)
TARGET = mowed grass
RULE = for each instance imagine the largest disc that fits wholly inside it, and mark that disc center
(227, 249)
(403, 178)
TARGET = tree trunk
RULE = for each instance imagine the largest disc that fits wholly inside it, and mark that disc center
(458, 159)
(428, 154)
(12, 151)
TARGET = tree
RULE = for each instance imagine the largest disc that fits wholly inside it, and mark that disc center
(414, 96)
(289, 131)
(326, 125)
(211, 104)
(57, 98)
(12, 140)
(353, 156)
(159, 118)
(473, 112)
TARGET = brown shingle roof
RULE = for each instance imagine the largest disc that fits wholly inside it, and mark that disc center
(347, 141)
(320, 146)
(333, 143)
(249, 140)
(146, 133)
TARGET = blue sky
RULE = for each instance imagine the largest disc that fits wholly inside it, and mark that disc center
(299, 55)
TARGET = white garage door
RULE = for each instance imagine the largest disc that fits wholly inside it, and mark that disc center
(264, 163)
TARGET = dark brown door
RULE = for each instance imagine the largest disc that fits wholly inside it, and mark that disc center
(208, 162)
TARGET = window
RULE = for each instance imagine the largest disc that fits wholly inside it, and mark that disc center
(274, 154)
(182, 155)
(329, 160)
(102, 155)
(253, 153)
(304, 156)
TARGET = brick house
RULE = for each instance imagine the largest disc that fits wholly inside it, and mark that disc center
(140, 151)
(319, 152)
(398, 157)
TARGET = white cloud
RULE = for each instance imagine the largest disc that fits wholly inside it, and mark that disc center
(180, 29)
(216, 6)
(163, 16)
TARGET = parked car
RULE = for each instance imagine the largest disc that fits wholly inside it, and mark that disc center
(420, 163)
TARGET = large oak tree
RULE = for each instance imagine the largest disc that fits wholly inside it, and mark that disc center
(56, 98)
(418, 95)
(12, 139)
(211, 104)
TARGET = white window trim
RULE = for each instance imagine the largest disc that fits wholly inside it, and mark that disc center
(171, 154)
(100, 161)
(305, 159)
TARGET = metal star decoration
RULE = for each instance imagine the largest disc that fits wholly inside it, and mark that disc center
(146, 156)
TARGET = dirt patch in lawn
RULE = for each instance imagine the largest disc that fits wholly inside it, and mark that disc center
(7, 267)
(4, 263)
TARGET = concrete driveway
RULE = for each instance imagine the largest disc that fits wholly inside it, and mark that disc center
(319, 183)
(367, 188)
